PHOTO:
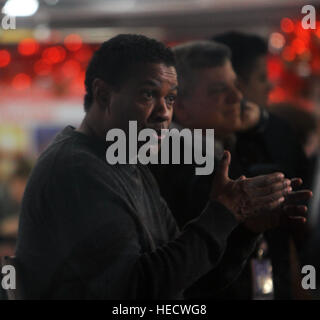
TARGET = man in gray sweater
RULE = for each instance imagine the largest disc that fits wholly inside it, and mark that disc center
(92, 230)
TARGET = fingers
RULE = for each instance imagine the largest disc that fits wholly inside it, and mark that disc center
(294, 215)
(296, 221)
(295, 210)
(296, 182)
(296, 196)
(269, 202)
(283, 186)
(223, 168)
(265, 180)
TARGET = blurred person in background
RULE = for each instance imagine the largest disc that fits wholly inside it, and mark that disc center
(265, 141)
(11, 194)
(210, 97)
(303, 123)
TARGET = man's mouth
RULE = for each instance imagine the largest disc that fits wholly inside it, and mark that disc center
(159, 134)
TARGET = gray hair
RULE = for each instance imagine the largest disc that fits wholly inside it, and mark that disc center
(195, 55)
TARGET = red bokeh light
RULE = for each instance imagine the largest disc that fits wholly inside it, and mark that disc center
(299, 46)
(5, 58)
(287, 25)
(28, 47)
(54, 54)
(73, 42)
(71, 68)
(288, 53)
(84, 54)
(42, 68)
(278, 94)
(21, 81)
(275, 68)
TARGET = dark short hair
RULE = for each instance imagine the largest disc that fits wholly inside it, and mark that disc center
(116, 58)
(245, 48)
(192, 56)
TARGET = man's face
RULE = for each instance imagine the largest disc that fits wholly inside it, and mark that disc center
(214, 101)
(147, 97)
(256, 89)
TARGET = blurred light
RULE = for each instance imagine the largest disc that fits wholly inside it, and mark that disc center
(51, 2)
(277, 40)
(73, 42)
(21, 81)
(78, 82)
(278, 94)
(315, 65)
(299, 46)
(20, 8)
(303, 69)
(317, 32)
(303, 34)
(288, 54)
(84, 54)
(28, 47)
(42, 68)
(267, 286)
(287, 25)
(54, 54)
(71, 68)
(275, 69)
(5, 58)
(42, 32)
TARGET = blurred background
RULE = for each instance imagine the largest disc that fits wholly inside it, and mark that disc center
(43, 62)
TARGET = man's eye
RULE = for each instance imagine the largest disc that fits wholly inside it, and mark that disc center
(216, 90)
(171, 99)
(147, 94)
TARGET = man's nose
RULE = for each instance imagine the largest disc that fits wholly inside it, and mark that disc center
(162, 112)
(235, 96)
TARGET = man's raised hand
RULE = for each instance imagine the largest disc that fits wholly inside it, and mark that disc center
(247, 197)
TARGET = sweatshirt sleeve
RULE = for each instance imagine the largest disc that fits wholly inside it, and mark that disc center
(110, 261)
(240, 246)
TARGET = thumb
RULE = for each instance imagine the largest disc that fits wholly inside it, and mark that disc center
(223, 167)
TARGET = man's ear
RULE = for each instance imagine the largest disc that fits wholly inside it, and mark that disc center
(101, 93)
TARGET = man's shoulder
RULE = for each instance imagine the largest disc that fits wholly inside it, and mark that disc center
(69, 150)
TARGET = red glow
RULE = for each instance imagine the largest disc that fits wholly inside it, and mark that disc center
(299, 46)
(71, 68)
(303, 34)
(274, 69)
(5, 58)
(54, 54)
(287, 25)
(78, 83)
(28, 47)
(84, 54)
(288, 53)
(278, 94)
(73, 42)
(42, 68)
(21, 81)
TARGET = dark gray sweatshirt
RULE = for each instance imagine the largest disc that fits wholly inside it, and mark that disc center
(90, 230)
